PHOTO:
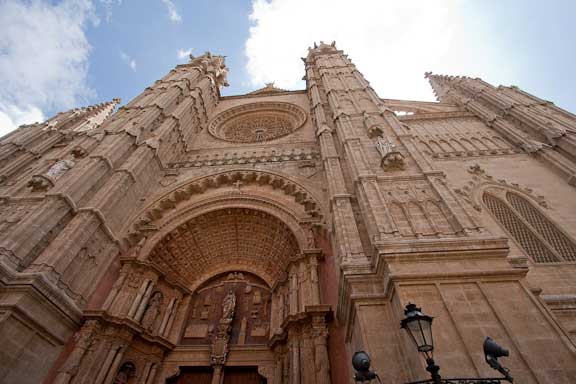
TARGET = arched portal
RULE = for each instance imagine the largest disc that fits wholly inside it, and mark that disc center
(226, 286)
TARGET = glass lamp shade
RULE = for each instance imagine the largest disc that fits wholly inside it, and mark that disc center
(419, 327)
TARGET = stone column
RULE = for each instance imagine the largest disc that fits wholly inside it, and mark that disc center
(314, 282)
(105, 368)
(294, 360)
(307, 365)
(84, 339)
(293, 291)
(138, 299)
(115, 366)
(321, 362)
(144, 302)
(152, 374)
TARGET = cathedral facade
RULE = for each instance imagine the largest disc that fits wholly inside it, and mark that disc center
(265, 238)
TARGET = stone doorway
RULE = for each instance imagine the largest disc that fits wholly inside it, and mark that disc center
(193, 375)
(242, 375)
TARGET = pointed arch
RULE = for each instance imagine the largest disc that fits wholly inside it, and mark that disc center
(435, 146)
(545, 227)
(456, 144)
(489, 143)
(446, 146)
(401, 220)
(438, 217)
(418, 219)
(425, 146)
(478, 144)
(467, 144)
(520, 231)
(500, 142)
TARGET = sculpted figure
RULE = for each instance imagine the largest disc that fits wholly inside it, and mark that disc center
(125, 373)
(229, 305)
(59, 168)
(152, 311)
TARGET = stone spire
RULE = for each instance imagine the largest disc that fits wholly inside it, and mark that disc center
(537, 126)
(213, 66)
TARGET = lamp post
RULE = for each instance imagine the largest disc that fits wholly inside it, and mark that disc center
(419, 328)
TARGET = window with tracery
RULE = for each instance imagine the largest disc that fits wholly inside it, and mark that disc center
(540, 238)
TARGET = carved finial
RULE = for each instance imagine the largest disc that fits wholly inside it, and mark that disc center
(315, 45)
(427, 74)
(333, 44)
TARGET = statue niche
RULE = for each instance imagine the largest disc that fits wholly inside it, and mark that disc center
(152, 311)
(238, 300)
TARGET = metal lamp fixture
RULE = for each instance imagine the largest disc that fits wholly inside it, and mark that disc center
(419, 328)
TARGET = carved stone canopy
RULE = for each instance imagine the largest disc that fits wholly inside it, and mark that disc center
(223, 239)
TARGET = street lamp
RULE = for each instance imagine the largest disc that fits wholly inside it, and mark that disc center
(419, 327)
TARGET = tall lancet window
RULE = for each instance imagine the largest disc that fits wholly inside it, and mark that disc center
(540, 238)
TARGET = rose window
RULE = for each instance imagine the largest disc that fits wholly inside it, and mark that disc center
(257, 122)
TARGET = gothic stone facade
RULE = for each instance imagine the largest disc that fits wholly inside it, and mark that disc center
(189, 235)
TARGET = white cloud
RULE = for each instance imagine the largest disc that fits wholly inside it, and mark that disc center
(184, 53)
(43, 58)
(128, 60)
(11, 117)
(172, 11)
(392, 42)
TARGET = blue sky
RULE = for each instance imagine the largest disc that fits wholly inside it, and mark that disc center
(60, 54)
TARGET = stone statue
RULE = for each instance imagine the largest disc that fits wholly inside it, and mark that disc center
(228, 306)
(125, 373)
(152, 311)
(391, 157)
(59, 168)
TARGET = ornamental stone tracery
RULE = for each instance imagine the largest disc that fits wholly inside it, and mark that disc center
(235, 236)
(257, 122)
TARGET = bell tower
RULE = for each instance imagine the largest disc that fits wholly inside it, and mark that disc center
(399, 228)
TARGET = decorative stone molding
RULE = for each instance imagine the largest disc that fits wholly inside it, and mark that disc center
(471, 191)
(248, 157)
(247, 238)
(184, 192)
(257, 122)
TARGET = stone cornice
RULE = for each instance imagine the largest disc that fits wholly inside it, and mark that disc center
(248, 95)
(131, 326)
(249, 157)
(165, 276)
(436, 115)
(38, 285)
(310, 315)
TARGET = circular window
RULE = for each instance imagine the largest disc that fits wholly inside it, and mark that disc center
(257, 122)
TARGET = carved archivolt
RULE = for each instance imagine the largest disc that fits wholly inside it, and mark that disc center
(257, 122)
(244, 239)
(199, 186)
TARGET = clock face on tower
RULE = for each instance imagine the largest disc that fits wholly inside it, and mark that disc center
(257, 122)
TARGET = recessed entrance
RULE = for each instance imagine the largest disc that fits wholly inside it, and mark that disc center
(232, 375)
